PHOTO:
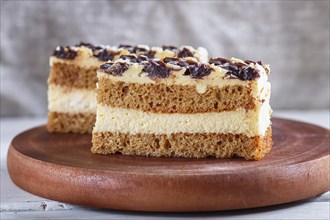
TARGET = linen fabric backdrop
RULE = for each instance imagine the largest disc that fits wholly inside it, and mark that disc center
(291, 36)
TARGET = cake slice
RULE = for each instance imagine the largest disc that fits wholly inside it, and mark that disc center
(183, 108)
(72, 80)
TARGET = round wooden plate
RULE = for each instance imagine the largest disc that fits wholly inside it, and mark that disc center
(61, 167)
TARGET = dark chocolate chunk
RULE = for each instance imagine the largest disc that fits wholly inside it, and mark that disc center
(185, 52)
(115, 68)
(170, 47)
(194, 69)
(65, 53)
(89, 45)
(142, 51)
(126, 46)
(106, 66)
(218, 61)
(171, 60)
(248, 73)
(100, 52)
(150, 54)
(179, 62)
(133, 58)
(157, 69)
(237, 70)
(138, 49)
(250, 61)
(199, 70)
(105, 55)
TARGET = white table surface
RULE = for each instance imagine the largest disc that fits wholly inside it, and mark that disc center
(18, 204)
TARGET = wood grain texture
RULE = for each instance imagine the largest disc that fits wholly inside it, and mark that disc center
(61, 167)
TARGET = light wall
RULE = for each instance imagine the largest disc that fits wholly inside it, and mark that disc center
(292, 36)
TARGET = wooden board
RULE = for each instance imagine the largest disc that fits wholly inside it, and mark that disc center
(61, 167)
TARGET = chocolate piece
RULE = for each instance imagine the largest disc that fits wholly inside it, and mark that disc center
(241, 71)
(134, 59)
(170, 47)
(115, 68)
(248, 73)
(91, 46)
(65, 53)
(218, 61)
(193, 69)
(199, 70)
(100, 52)
(105, 55)
(157, 69)
(125, 46)
(106, 66)
(250, 61)
(179, 62)
(150, 54)
(142, 51)
(138, 49)
(185, 52)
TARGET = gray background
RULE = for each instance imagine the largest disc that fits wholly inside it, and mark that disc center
(292, 36)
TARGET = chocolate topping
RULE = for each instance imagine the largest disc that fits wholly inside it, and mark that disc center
(65, 53)
(138, 50)
(100, 52)
(115, 68)
(237, 70)
(157, 69)
(185, 53)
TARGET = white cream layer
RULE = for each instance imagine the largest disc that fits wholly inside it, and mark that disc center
(71, 100)
(240, 121)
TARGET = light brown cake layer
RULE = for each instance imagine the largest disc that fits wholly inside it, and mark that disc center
(162, 98)
(197, 145)
(73, 76)
(69, 122)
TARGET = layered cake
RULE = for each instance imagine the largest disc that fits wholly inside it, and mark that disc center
(72, 80)
(183, 108)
